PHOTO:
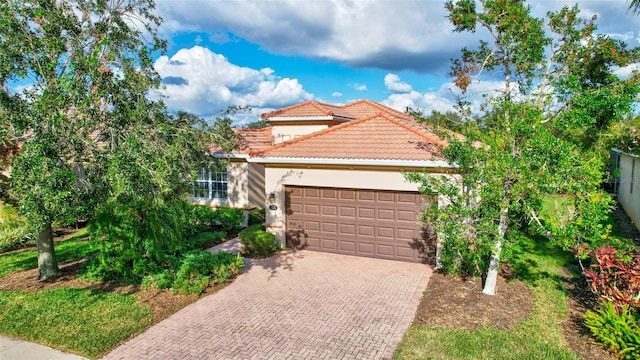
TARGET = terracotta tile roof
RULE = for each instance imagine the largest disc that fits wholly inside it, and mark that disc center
(310, 109)
(381, 136)
(251, 141)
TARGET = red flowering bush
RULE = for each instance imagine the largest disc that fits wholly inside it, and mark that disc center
(615, 276)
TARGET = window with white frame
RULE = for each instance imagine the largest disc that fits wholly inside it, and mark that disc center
(210, 185)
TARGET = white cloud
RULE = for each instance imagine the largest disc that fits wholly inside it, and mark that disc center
(393, 84)
(626, 71)
(392, 35)
(202, 82)
(444, 98)
(359, 87)
(336, 94)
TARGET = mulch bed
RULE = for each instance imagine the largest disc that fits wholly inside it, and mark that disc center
(460, 304)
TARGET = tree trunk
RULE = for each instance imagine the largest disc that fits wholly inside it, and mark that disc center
(47, 264)
(494, 264)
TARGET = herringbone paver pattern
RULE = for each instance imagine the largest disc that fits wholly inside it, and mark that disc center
(296, 305)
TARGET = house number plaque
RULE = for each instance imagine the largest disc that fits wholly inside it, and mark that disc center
(273, 207)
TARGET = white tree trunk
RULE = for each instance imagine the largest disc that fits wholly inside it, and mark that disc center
(47, 263)
(494, 264)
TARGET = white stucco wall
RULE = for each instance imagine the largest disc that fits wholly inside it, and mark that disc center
(629, 186)
(277, 178)
(289, 132)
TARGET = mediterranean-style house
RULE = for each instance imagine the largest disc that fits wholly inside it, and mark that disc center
(331, 179)
(627, 187)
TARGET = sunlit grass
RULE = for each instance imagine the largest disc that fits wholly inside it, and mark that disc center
(73, 248)
(87, 322)
(539, 336)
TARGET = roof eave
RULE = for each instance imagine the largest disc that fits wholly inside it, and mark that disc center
(355, 162)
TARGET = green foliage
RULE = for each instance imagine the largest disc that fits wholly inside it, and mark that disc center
(69, 319)
(535, 136)
(205, 240)
(14, 229)
(257, 216)
(615, 276)
(229, 219)
(200, 269)
(616, 328)
(135, 239)
(91, 137)
(226, 219)
(257, 242)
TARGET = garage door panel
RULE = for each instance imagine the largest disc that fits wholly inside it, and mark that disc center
(329, 210)
(329, 228)
(366, 195)
(347, 211)
(386, 197)
(366, 249)
(347, 194)
(311, 209)
(311, 225)
(405, 215)
(329, 245)
(347, 229)
(407, 198)
(371, 223)
(385, 250)
(348, 247)
(386, 214)
(366, 230)
(385, 232)
(329, 194)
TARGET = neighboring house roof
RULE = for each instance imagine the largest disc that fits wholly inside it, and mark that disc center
(379, 136)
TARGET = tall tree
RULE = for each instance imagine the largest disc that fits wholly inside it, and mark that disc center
(536, 134)
(75, 75)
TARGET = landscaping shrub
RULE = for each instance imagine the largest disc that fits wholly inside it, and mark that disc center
(257, 242)
(135, 240)
(205, 240)
(226, 219)
(202, 215)
(229, 219)
(616, 328)
(615, 276)
(256, 216)
(199, 269)
(14, 229)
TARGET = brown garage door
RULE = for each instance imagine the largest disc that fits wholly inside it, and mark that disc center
(372, 223)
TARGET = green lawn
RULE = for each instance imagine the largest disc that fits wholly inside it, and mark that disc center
(539, 336)
(73, 248)
(82, 321)
(87, 322)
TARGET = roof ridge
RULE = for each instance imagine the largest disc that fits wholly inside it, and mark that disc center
(434, 139)
(320, 107)
(318, 133)
(281, 110)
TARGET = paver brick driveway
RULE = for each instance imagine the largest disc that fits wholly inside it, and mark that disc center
(296, 305)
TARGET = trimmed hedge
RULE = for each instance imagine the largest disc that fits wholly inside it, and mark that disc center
(226, 219)
(257, 242)
(196, 270)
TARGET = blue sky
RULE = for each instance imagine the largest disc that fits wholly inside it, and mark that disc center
(274, 53)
